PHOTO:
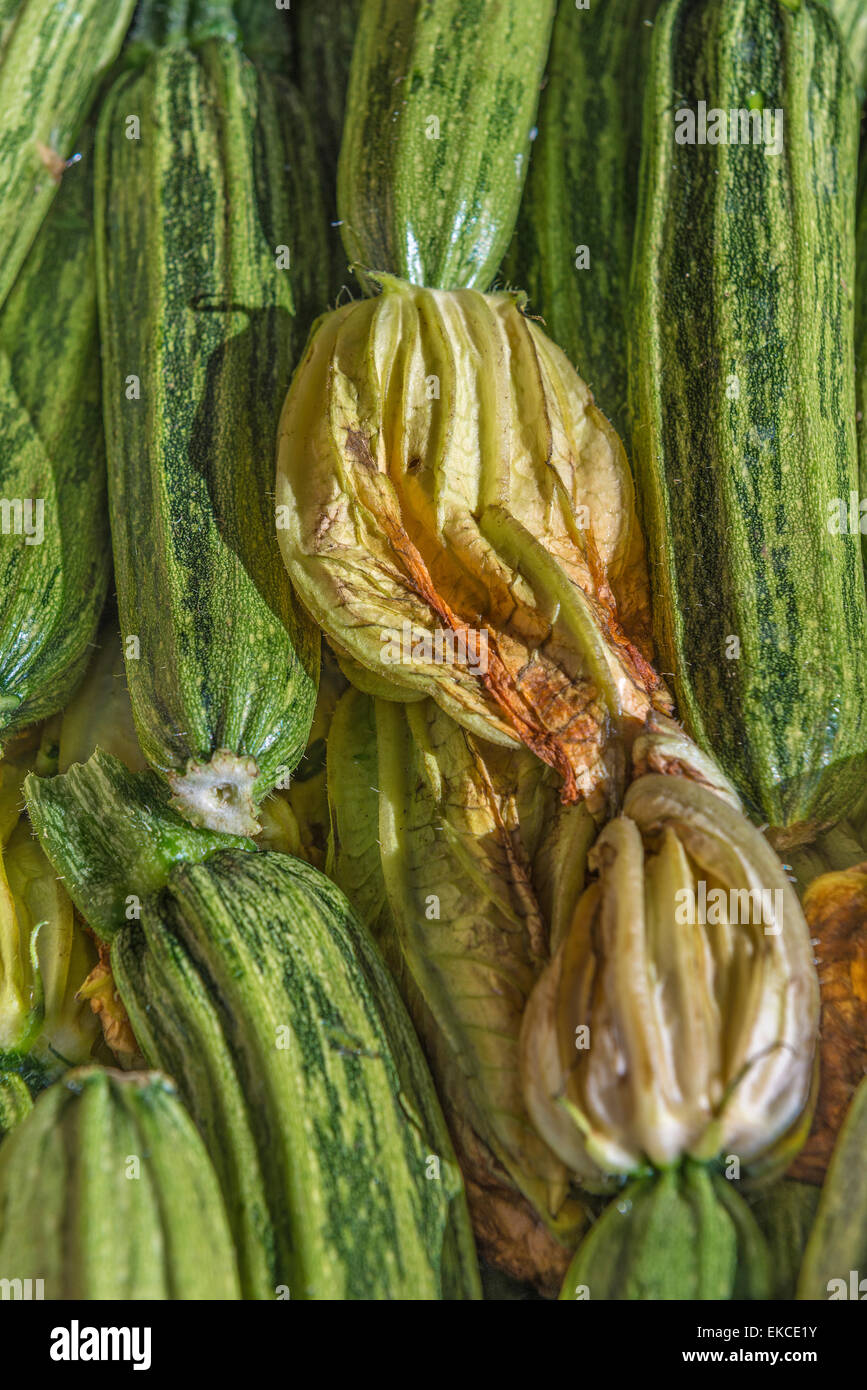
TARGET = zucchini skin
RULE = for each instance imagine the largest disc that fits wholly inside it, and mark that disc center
(682, 1234)
(52, 60)
(741, 375)
(76, 1214)
(851, 16)
(52, 592)
(582, 191)
(193, 303)
(436, 204)
(252, 978)
(324, 35)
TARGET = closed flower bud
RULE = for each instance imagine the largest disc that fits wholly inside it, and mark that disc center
(459, 518)
(679, 1016)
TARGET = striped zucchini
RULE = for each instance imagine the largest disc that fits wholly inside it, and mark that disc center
(52, 60)
(209, 269)
(249, 978)
(324, 34)
(851, 15)
(8, 12)
(108, 876)
(54, 549)
(741, 387)
(861, 344)
(573, 246)
(439, 112)
(268, 955)
(106, 1192)
(682, 1234)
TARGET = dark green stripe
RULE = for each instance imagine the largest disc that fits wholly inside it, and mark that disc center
(744, 270)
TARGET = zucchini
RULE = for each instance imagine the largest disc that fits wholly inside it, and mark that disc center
(681, 1234)
(250, 979)
(106, 1192)
(851, 15)
(200, 325)
(52, 60)
(441, 104)
(54, 550)
(573, 246)
(741, 383)
(324, 34)
(342, 1143)
(785, 1214)
(109, 877)
(836, 1255)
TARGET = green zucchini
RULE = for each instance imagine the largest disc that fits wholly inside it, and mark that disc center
(681, 1234)
(785, 1214)
(52, 60)
(441, 104)
(835, 1261)
(343, 1146)
(249, 978)
(108, 877)
(54, 548)
(324, 34)
(106, 1192)
(209, 270)
(573, 246)
(741, 384)
(8, 12)
(851, 15)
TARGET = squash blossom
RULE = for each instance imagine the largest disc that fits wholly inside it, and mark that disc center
(459, 518)
(679, 1016)
(441, 841)
(44, 953)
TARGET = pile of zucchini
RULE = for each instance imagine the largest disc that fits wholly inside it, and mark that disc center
(431, 557)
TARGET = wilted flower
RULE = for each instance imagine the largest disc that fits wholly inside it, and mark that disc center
(44, 957)
(663, 746)
(679, 1016)
(430, 846)
(459, 518)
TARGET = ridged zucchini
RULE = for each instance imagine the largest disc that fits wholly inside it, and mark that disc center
(851, 15)
(54, 547)
(270, 952)
(684, 1234)
(108, 877)
(52, 60)
(210, 267)
(573, 245)
(441, 103)
(324, 35)
(741, 377)
(106, 1192)
(250, 979)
